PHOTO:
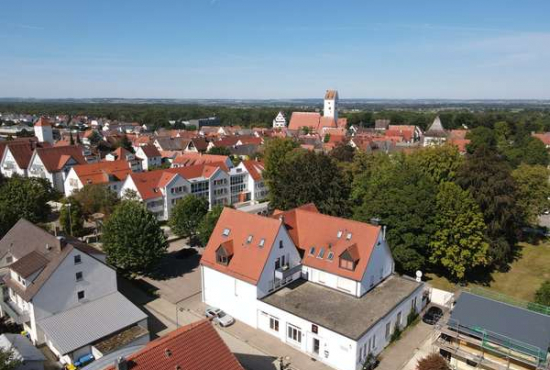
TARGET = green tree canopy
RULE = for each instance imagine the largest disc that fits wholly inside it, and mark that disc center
(481, 137)
(208, 223)
(24, 197)
(219, 150)
(441, 163)
(343, 153)
(187, 214)
(71, 217)
(133, 239)
(542, 295)
(96, 198)
(433, 361)
(458, 244)
(403, 198)
(533, 190)
(275, 153)
(8, 359)
(305, 177)
(489, 180)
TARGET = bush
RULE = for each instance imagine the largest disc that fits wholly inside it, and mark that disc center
(542, 296)
(433, 361)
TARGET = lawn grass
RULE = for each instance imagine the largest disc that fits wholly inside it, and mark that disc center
(526, 274)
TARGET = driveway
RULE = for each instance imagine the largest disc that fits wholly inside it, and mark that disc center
(178, 275)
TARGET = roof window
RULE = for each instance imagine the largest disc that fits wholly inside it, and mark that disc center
(312, 251)
(348, 237)
(321, 253)
(339, 235)
(226, 232)
(249, 239)
(330, 256)
(262, 242)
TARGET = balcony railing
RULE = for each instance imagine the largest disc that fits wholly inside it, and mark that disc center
(285, 272)
(9, 308)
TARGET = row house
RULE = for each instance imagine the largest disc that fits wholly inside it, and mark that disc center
(107, 173)
(15, 156)
(324, 285)
(65, 295)
(149, 155)
(190, 159)
(161, 189)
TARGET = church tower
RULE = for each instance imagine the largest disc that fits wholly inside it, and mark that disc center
(331, 104)
(43, 130)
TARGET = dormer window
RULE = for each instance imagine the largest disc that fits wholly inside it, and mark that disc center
(349, 258)
(224, 253)
(226, 232)
(345, 264)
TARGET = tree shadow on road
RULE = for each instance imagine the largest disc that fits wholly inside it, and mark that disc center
(176, 264)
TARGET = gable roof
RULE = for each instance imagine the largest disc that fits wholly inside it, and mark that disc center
(331, 94)
(21, 152)
(189, 159)
(29, 264)
(54, 158)
(42, 121)
(173, 143)
(24, 238)
(102, 172)
(254, 168)
(304, 119)
(310, 229)
(248, 259)
(150, 151)
(196, 346)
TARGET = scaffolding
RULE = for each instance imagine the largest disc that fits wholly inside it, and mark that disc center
(489, 350)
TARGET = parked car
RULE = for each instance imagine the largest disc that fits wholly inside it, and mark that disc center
(219, 316)
(432, 316)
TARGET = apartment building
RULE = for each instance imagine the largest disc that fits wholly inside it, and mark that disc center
(321, 284)
(107, 173)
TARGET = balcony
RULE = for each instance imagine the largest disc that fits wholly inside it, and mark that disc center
(285, 272)
(10, 308)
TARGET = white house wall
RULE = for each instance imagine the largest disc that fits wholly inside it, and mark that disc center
(380, 266)
(9, 159)
(234, 296)
(332, 281)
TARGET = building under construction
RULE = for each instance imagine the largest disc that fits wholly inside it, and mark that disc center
(486, 331)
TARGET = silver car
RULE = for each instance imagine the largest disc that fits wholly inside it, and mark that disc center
(219, 316)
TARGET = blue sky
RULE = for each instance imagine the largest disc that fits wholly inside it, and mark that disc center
(275, 49)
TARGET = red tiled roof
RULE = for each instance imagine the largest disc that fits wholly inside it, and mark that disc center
(331, 94)
(189, 159)
(147, 183)
(458, 134)
(21, 152)
(150, 151)
(304, 119)
(309, 228)
(55, 158)
(254, 168)
(42, 121)
(248, 259)
(121, 153)
(103, 172)
(544, 137)
(460, 143)
(196, 346)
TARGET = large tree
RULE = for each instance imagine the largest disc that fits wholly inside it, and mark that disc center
(133, 239)
(208, 223)
(533, 190)
(403, 198)
(96, 198)
(459, 243)
(441, 163)
(489, 180)
(309, 177)
(24, 197)
(275, 153)
(187, 214)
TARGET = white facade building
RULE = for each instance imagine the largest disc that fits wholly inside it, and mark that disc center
(279, 121)
(324, 285)
(43, 130)
(63, 294)
(331, 105)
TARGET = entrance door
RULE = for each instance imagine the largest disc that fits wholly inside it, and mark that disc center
(316, 346)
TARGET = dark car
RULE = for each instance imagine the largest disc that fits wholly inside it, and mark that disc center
(432, 316)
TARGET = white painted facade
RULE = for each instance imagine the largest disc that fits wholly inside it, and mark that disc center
(330, 108)
(9, 166)
(279, 121)
(44, 133)
(73, 183)
(57, 179)
(147, 163)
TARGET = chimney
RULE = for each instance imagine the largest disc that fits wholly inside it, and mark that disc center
(121, 364)
(61, 242)
(384, 232)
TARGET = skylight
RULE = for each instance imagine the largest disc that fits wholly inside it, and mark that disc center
(321, 253)
(226, 232)
(339, 235)
(330, 256)
(262, 242)
(312, 251)
(249, 239)
(348, 237)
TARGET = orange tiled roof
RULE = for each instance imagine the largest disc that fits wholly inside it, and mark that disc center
(150, 151)
(42, 121)
(103, 172)
(304, 119)
(196, 346)
(54, 158)
(189, 159)
(544, 137)
(309, 228)
(248, 259)
(254, 168)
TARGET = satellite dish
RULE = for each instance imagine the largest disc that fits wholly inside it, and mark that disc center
(418, 275)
